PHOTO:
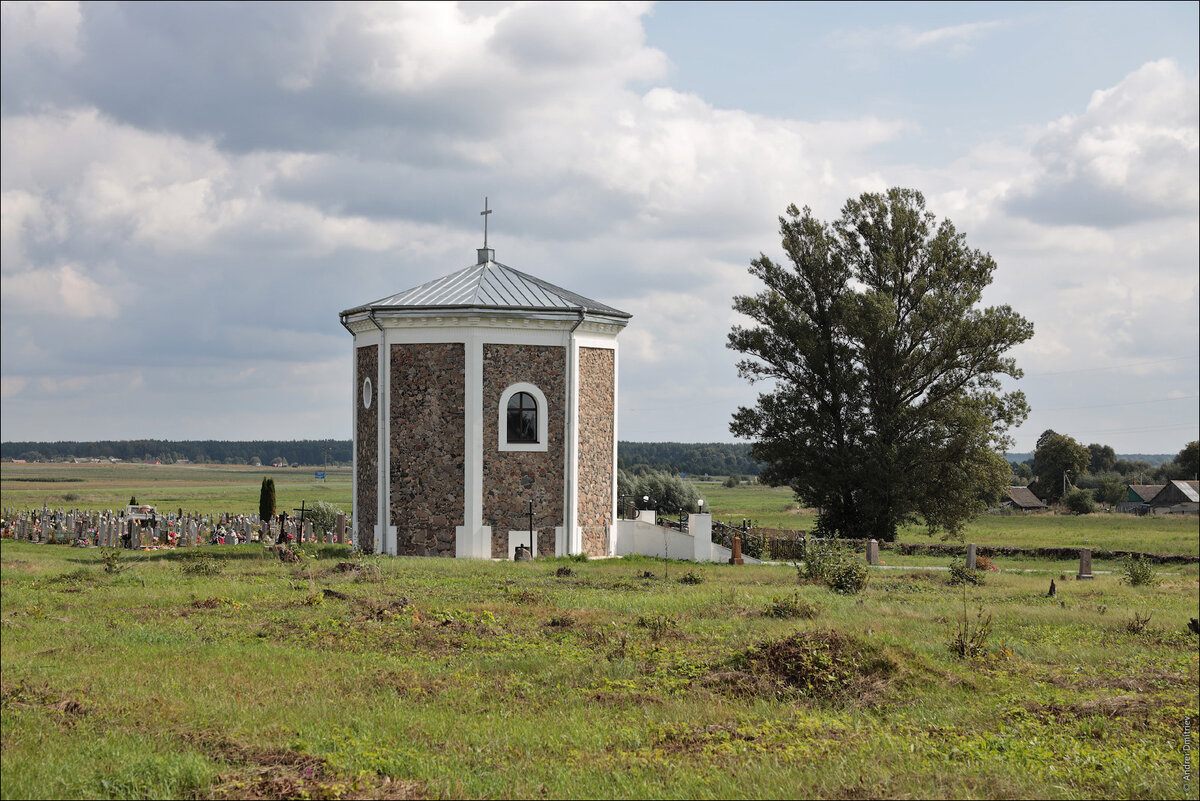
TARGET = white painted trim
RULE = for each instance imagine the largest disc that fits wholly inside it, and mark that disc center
(576, 534)
(469, 539)
(612, 514)
(383, 395)
(560, 542)
(543, 440)
(354, 440)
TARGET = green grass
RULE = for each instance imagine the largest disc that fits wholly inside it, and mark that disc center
(776, 507)
(478, 679)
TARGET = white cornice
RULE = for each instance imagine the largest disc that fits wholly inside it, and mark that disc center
(362, 323)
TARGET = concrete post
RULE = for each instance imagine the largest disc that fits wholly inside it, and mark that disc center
(971, 556)
(700, 526)
(873, 552)
(1085, 565)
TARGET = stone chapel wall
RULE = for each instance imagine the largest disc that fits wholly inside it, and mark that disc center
(428, 398)
(366, 440)
(597, 396)
(512, 478)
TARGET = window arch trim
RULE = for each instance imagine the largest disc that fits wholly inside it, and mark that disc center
(543, 414)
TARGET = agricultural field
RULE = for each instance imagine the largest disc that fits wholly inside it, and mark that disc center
(206, 489)
(225, 673)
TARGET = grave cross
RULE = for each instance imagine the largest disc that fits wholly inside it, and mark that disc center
(484, 214)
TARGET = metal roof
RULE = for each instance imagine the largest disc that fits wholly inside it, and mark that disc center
(490, 285)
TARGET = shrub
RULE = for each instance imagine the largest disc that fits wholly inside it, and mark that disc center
(834, 564)
(1080, 502)
(1137, 624)
(791, 606)
(733, 481)
(960, 574)
(971, 644)
(1137, 571)
(201, 565)
(691, 577)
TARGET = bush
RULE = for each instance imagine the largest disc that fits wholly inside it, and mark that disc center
(691, 577)
(791, 606)
(733, 481)
(201, 565)
(968, 644)
(1137, 571)
(666, 491)
(1080, 502)
(961, 574)
(323, 516)
(833, 563)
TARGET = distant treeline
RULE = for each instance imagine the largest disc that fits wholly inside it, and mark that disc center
(212, 451)
(1152, 459)
(691, 458)
(711, 458)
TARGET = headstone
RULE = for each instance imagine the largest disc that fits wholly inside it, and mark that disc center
(873, 552)
(736, 558)
(1085, 565)
(341, 529)
(308, 531)
(971, 556)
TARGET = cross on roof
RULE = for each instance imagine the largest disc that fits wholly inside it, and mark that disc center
(486, 211)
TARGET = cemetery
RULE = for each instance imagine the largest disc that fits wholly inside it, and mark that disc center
(563, 646)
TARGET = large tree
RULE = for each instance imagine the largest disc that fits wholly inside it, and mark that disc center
(1187, 463)
(886, 402)
(1058, 460)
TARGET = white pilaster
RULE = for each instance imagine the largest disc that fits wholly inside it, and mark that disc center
(575, 534)
(473, 539)
(700, 527)
(383, 542)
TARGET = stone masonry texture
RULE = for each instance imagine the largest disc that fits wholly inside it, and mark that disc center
(597, 390)
(512, 478)
(427, 446)
(366, 440)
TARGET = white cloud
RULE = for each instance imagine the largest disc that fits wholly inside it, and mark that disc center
(40, 27)
(1133, 155)
(61, 292)
(954, 40)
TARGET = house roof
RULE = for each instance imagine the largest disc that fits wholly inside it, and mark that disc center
(1188, 492)
(1146, 491)
(1024, 498)
(490, 285)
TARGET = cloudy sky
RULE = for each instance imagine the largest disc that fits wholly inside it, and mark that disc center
(191, 192)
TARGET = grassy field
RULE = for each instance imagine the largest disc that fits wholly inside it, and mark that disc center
(200, 488)
(225, 673)
(776, 508)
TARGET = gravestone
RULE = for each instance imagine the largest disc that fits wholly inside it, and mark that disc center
(341, 529)
(873, 552)
(971, 556)
(1085, 565)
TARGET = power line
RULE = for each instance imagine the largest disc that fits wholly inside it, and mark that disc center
(1108, 405)
(1113, 366)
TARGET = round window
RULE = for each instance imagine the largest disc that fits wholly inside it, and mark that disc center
(367, 393)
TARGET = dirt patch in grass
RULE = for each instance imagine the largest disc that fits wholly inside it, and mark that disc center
(278, 773)
(826, 666)
(25, 695)
(1146, 682)
(626, 699)
(1135, 711)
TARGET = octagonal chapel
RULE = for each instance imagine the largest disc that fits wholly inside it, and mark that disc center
(481, 399)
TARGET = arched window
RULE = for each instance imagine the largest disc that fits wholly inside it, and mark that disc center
(522, 419)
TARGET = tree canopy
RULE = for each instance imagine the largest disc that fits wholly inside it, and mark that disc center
(1059, 459)
(885, 402)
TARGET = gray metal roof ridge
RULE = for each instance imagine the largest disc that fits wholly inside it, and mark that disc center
(490, 285)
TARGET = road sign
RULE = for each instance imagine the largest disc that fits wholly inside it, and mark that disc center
(319, 475)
